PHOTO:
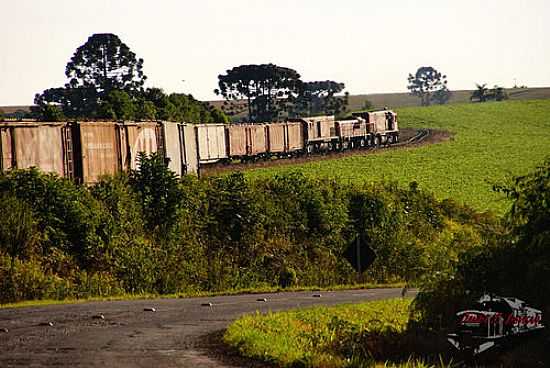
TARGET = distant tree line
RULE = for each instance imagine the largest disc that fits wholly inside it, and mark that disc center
(105, 81)
(484, 94)
(268, 92)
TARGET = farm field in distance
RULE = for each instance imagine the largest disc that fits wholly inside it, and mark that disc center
(492, 142)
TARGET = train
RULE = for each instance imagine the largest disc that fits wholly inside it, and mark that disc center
(87, 150)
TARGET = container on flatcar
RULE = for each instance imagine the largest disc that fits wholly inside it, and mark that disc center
(28, 144)
(211, 142)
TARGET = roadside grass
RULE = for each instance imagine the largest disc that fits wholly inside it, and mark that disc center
(372, 334)
(492, 143)
(199, 294)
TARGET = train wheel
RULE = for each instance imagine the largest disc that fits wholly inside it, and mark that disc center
(377, 141)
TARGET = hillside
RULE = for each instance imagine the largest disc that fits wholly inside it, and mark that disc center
(404, 99)
(492, 142)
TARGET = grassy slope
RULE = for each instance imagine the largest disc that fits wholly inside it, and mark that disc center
(310, 337)
(492, 142)
(395, 100)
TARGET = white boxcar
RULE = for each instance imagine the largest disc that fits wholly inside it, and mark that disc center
(212, 142)
(180, 147)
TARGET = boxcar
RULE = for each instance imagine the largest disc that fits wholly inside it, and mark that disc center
(180, 148)
(257, 142)
(140, 137)
(284, 138)
(97, 150)
(211, 142)
(42, 145)
(236, 138)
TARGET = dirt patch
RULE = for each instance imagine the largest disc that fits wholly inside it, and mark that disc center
(431, 136)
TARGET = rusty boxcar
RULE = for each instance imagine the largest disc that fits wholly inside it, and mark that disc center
(284, 138)
(29, 144)
(98, 150)
(246, 141)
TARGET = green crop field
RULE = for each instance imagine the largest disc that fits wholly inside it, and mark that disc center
(492, 142)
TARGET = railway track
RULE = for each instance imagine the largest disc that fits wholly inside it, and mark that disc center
(420, 136)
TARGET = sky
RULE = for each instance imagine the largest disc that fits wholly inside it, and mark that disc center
(371, 46)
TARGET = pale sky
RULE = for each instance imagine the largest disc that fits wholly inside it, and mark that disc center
(371, 46)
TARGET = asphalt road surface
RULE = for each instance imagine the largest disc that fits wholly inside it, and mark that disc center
(179, 333)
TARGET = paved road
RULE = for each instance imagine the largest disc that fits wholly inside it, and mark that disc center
(180, 333)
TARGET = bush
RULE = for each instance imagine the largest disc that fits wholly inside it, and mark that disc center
(150, 231)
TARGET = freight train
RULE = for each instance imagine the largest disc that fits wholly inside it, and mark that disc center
(85, 151)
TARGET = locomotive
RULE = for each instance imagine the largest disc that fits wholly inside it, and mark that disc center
(491, 322)
(84, 151)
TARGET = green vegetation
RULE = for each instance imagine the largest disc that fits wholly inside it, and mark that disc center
(361, 335)
(148, 232)
(105, 81)
(492, 142)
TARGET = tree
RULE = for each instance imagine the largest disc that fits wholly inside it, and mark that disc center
(117, 105)
(49, 112)
(319, 98)
(267, 88)
(441, 96)
(425, 82)
(481, 93)
(103, 64)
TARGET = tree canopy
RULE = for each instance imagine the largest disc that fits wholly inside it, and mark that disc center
(267, 88)
(105, 81)
(105, 63)
(272, 92)
(318, 97)
(426, 83)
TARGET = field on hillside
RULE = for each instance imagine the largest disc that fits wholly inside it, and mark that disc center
(394, 100)
(492, 142)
